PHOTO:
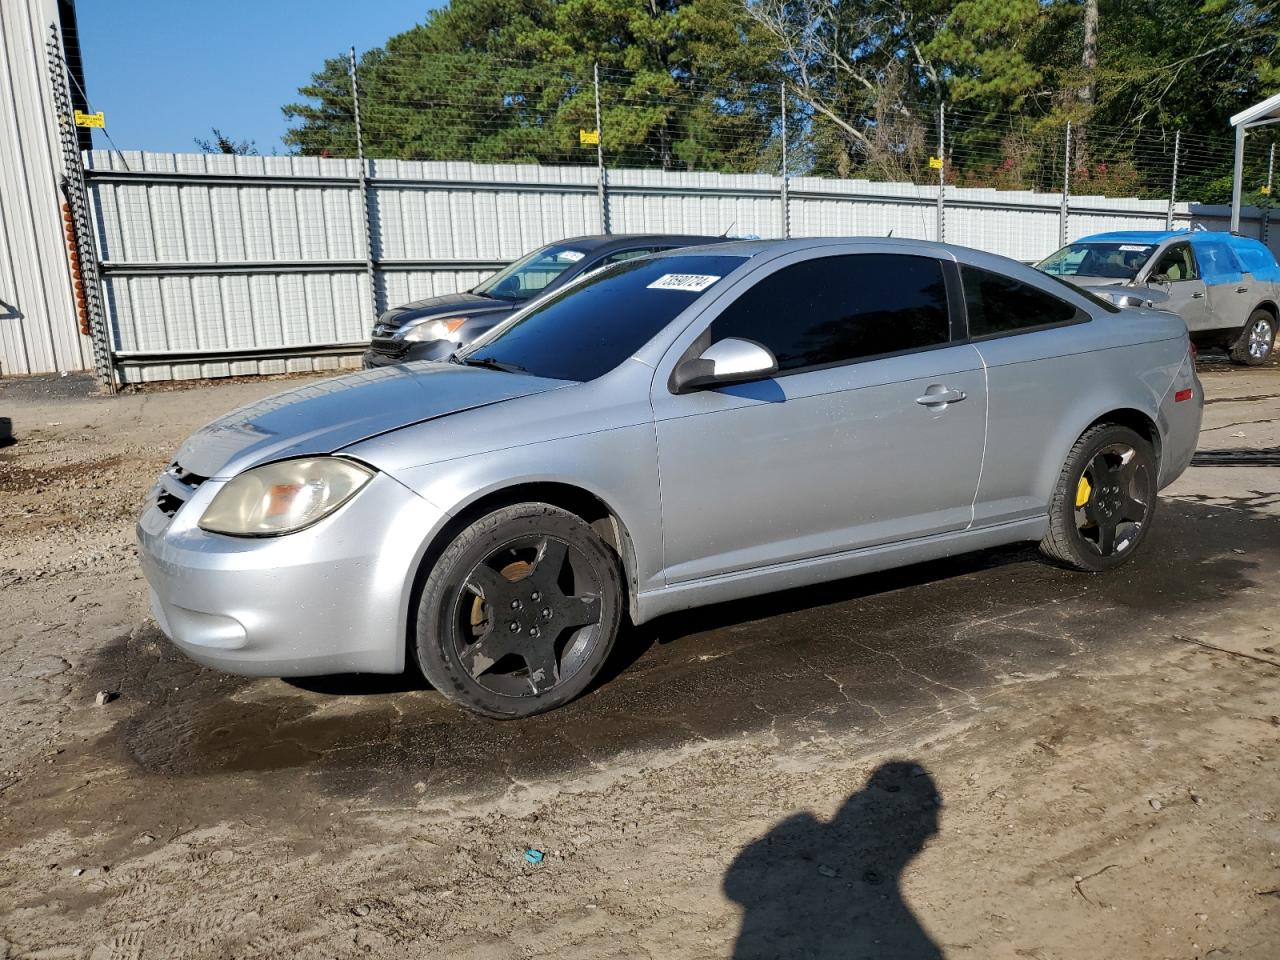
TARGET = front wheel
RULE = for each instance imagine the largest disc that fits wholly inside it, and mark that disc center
(520, 612)
(1104, 500)
(1257, 340)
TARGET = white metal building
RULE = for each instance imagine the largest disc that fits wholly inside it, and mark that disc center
(39, 328)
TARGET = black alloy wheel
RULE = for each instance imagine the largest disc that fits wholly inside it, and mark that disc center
(1104, 501)
(520, 612)
(1112, 499)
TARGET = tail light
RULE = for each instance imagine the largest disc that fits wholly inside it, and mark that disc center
(1191, 349)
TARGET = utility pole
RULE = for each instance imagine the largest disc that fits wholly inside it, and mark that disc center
(786, 201)
(1066, 188)
(1266, 211)
(1173, 183)
(1237, 173)
(600, 175)
(942, 171)
(364, 189)
(79, 219)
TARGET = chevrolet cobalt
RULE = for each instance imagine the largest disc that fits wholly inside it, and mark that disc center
(677, 430)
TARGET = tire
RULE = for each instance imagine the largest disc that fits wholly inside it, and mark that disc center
(1256, 341)
(520, 612)
(1102, 488)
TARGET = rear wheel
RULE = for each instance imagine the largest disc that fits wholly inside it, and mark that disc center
(1104, 500)
(1256, 341)
(520, 612)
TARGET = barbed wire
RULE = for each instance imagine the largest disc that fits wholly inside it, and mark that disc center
(428, 105)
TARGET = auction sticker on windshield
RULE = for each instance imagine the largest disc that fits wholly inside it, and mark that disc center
(695, 282)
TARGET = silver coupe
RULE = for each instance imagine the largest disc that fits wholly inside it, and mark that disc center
(677, 430)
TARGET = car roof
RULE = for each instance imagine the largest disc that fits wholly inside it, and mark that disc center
(1156, 236)
(898, 245)
(602, 242)
(753, 248)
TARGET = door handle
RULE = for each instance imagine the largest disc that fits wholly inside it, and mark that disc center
(940, 396)
(1242, 289)
(1197, 296)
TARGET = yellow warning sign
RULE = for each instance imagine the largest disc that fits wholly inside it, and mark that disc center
(588, 138)
(90, 119)
(935, 163)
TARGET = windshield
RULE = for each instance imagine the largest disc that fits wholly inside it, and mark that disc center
(528, 276)
(1113, 261)
(587, 329)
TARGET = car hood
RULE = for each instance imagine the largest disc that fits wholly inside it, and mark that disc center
(451, 305)
(321, 418)
(1110, 288)
(1091, 282)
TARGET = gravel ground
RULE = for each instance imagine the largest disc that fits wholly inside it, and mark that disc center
(988, 757)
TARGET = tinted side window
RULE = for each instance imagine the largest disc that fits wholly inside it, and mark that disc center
(999, 304)
(835, 309)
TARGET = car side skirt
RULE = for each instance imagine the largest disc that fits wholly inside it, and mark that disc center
(802, 573)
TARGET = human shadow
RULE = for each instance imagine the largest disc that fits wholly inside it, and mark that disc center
(815, 890)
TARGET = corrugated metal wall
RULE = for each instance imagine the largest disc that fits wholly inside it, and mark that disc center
(218, 265)
(39, 331)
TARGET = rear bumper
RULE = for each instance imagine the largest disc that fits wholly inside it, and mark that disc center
(1180, 424)
(333, 598)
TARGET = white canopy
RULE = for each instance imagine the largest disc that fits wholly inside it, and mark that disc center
(1260, 114)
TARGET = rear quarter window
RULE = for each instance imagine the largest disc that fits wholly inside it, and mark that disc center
(998, 305)
(1256, 259)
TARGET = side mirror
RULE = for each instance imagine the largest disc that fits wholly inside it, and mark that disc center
(724, 362)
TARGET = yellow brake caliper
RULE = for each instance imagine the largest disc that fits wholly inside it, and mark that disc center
(1083, 489)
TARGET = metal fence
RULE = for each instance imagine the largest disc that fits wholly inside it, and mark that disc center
(215, 265)
(219, 265)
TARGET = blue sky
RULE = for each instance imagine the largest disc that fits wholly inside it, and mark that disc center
(165, 71)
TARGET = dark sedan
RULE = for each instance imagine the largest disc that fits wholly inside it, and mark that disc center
(432, 329)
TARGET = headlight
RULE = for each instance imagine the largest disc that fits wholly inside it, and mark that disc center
(283, 497)
(432, 329)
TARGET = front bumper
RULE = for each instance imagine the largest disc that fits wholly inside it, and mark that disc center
(333, 598)
(382, 353)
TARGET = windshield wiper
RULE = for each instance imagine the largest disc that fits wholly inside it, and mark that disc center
(489, 363)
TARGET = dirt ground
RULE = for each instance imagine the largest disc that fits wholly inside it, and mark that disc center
(988, 757)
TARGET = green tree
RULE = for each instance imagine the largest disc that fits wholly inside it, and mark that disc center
(694, 84)
(865, 76)
(684, 83)
(988, 53)
(221, 143)
(1166, 65)
(1003, 64)
(1185, 63)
